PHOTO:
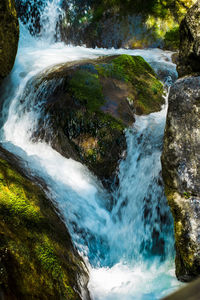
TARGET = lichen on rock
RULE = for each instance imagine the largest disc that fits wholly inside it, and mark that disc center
(181, 173)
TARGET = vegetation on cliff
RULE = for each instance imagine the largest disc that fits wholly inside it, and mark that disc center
(37, 258)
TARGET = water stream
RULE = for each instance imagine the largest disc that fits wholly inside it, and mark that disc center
(129, 248)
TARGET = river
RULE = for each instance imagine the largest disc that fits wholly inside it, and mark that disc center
(128, 247)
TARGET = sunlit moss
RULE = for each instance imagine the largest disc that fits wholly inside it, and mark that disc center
(35, 247)
(86, 87)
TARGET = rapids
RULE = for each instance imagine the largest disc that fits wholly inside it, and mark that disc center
(129, 245)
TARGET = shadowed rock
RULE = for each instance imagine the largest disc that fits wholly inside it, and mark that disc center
(189, 57)
(9, 34)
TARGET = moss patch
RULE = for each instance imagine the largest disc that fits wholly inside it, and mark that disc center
(145, 93)
(147, 90)
(86, 87)
(172, 39)
(37, 257)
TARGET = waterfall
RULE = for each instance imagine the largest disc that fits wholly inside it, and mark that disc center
(129, 248)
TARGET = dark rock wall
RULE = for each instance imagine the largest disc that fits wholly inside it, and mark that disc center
(189, 57)
(9, 34)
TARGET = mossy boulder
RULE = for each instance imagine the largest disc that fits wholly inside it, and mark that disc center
(37, 258)
(91, 104)
(9, 34)
(181, 173)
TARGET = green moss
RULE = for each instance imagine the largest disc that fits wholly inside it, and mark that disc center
(87, 89)
(172, 39)
(48, 259)
(132, 66)
(147, 89)
(124, 67)
(36, 254)
(187, 195)
(112, 70)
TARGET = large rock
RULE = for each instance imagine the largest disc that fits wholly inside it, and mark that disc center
(37, 258)
(188, 292)
(9, 34)
(89, 105)
(181, 173)
(189, 57)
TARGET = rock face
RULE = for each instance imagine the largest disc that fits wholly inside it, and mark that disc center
(9, 34)
(124, 23)
(189, 57)
(181, 173)
(37, 258)
(91, 103)
(190, 291)
(115, 31)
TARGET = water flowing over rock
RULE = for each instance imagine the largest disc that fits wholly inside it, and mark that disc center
(189, 57)
(37, 258)
(9, 34)
(91, 103)
(181, 173)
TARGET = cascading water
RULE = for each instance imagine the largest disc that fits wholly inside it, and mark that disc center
(130, 247)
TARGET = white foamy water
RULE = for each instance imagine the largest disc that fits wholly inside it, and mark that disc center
(124, 283)
(130, 247)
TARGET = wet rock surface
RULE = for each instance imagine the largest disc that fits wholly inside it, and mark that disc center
(181, 173)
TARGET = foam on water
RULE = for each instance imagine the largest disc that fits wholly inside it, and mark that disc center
(130, 247)
(124, 283)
